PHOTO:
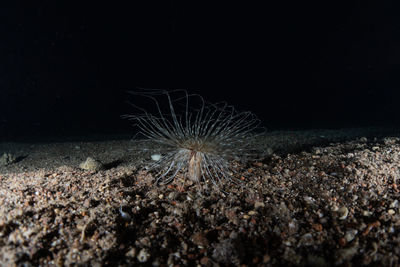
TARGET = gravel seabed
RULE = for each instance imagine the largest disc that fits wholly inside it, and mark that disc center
(316, 198)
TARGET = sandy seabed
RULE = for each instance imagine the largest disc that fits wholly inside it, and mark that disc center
(318, 198)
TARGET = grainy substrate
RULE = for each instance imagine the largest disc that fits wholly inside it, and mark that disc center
(317, 198)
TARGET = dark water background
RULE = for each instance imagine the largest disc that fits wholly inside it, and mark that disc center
(66, 67)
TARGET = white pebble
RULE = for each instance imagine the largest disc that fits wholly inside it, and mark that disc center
(334, 207)
(124, 214)
(156, 157)
(350, 234)
(394, 204)
(366, 213)
(343, 212)
(309, 200)
(143, 255)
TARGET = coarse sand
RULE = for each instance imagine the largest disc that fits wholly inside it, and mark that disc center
(314, 198)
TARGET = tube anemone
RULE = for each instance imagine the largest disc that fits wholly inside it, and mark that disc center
(200, 139)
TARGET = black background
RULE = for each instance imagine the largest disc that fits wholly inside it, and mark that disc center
(65, 66)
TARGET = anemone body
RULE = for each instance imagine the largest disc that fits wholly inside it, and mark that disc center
(200, 138)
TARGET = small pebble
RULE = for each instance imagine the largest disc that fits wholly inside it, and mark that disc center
(91, 164)
(334, 207)
(171, 195)
(363, 139)
(350, 234)
(204, 261)
(124, 214)
(366, 213)
(259, 204)
(394, 204)
(156, 157)
(131, 253)
(343, 212)
(200, 239)
(143, 255)
(266, 258)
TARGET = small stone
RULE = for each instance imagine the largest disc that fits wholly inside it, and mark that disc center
(350, 234)
(343, 213)
(363, 139)
(334, 207)
(309, 200)
(126, 216)
(200, 239)
(366, 213)
(156, 157)
(266, 258)
(204, 261)
(391, 212)
(91, 164)
(145, 241)
(293, 226)
(259, 204)
(306, 239)
(143, 255)
(131, 253)
(171, 195)
(394, 204)
(86, 203)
